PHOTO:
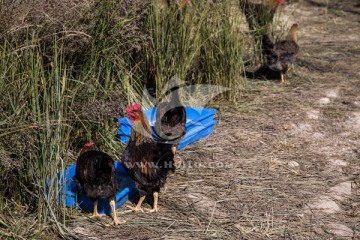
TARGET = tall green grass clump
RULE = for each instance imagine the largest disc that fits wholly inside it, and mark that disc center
(174, 42)
(222, 49)
(201, 44)
(59, 88)
(35, 125)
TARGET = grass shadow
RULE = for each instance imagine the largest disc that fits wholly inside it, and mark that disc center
(263, 73)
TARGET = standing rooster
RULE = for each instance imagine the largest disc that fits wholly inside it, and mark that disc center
(146, 160)
(96, 178)
(281, 55)
(170, 121)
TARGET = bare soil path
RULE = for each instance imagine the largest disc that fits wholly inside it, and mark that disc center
(285, 164)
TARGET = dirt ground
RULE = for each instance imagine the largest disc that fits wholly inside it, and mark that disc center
(285, 164)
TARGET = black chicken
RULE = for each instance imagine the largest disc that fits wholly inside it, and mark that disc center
(281, 54)
(147, 161)
(96, 178)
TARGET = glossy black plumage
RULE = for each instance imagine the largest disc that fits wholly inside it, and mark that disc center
(95, 175)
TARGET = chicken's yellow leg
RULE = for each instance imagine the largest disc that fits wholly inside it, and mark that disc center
(115, 219)
(95, 211)
(282, 77)
(138, 205)
(174, 148)
(156, 198)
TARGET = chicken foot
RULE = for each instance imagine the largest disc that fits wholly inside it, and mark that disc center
(95, 211)
(282, 78)
(115, 219)
(156, 198)
(138, 205)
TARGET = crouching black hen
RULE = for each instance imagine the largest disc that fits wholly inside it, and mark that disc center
(281, 55)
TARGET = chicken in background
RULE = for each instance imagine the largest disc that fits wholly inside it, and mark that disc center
(96, 178)
(281, 55)
(170, 121)
(147, 161)
(259, 16)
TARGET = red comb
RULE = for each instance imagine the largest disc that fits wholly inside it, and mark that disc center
(279, 2)
(89, 144)
(133, 107)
